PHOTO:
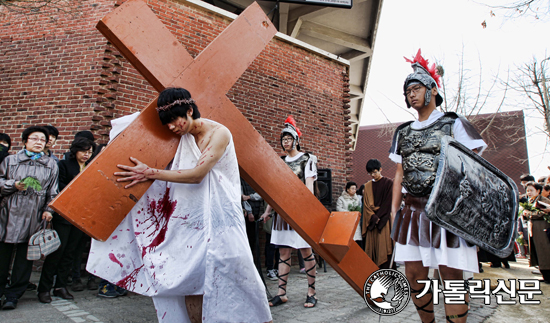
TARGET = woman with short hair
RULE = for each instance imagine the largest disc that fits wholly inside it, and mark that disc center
(28, 183)
(350, 201)
(60, 262)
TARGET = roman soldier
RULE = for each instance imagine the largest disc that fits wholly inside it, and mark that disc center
(421, 244)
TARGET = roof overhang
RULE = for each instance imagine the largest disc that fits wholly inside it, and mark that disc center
(347, 34)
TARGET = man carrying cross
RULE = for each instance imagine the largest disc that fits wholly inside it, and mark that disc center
(184, 243)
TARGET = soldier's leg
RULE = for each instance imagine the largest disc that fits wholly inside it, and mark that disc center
(456, 313)
(311, 272)
(415, 270)
(284, 269)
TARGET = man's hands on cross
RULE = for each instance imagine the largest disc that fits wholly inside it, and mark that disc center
(211, 139)
(136, 174)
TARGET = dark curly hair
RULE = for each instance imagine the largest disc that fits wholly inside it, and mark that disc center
(535, 185)
(170, 95)
(81, 144)
(372, 165)
(350, 184)
(31, 129)
(52, 130)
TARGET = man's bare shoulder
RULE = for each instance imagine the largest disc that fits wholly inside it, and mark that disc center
(216, 134)
(220, 132)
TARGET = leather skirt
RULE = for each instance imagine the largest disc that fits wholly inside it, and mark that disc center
(424, 233)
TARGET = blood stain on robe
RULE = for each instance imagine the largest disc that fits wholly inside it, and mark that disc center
(129, 282)
(160, 211)
(115, 260)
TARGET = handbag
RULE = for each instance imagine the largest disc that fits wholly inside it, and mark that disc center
(43, 243)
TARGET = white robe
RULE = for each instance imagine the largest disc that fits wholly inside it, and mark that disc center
(188, 239)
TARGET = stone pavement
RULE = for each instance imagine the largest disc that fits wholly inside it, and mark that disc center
(337, 303)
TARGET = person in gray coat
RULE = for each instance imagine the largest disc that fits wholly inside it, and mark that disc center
(22, 208)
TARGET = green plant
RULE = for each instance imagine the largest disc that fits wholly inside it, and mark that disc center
(32, 183)
(354, 208)
(530, 207)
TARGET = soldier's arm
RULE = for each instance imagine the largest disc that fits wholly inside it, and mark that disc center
(267, 213)
(309, 184)
(397, 196)
(210, 156)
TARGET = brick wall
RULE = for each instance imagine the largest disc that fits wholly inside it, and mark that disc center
(59, 70)
(49, 71)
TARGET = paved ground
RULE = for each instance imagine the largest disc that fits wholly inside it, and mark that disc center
(337, 303)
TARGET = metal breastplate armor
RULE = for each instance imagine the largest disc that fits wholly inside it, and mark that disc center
(299, 165)
(420, 150)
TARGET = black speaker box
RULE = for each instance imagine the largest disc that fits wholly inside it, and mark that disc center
(324, 183)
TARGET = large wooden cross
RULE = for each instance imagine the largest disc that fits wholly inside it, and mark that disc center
(97, 204)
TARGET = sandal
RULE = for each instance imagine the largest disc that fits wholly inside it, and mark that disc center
(310, 299)
(449, 317)
(456, 316)
(422, 308)
(277, 300)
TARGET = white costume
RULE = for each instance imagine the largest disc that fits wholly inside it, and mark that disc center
(187, 239)
(281, 233)
(463, 257)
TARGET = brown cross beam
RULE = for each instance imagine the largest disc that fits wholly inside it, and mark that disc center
(97, 204)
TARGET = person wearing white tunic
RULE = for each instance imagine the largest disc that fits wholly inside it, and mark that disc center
(304, 165)
(421, 244)
(184, 243)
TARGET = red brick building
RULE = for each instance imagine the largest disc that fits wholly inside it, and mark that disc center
(57, 69)
(507, 147)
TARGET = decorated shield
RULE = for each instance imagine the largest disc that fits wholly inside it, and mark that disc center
(473, 199)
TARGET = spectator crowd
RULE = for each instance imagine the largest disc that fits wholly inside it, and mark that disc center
(31, 177)
(29, 180)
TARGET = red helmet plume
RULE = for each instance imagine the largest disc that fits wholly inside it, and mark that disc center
(424, 63)
(291, 121)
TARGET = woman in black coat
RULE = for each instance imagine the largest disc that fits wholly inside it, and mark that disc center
(60, 262)
(5, 145)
